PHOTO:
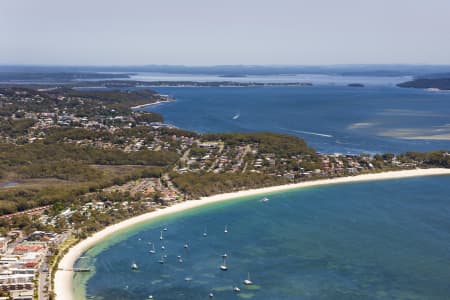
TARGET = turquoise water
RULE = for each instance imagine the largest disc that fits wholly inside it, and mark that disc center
(331, 118)
(373, 240)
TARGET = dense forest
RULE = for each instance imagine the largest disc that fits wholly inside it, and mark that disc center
(71, 170)
(281, 144)
(29, 154)
(195, 185)
(434, 158)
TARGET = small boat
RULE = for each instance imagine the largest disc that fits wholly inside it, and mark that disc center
(165, 255)
(186, 246)
(205, 234)
(165, 228)
(236, 289)
(180, 260)
(188, 279)
(134, 266)
(163, 247)
(224, 267)
(150, 297)
(263, 200)
(161, 261)
(139, 239)
(161, 236)
(178, 256)
(236, 116)
(152, 251)
(248, 281)
(211, 295)
(224, 255)
(226, 229)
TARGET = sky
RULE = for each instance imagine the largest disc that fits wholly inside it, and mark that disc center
(215, 32)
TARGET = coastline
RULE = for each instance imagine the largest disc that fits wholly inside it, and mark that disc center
(64, 279)
(150, 104)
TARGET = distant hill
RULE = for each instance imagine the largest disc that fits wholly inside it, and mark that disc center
(426, 83)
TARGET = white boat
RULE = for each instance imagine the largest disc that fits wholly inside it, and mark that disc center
(152, 251)
(150, 297)
(223, 266)
(161, 261)
(236, 289)
(226, 229)
(134, 266)
(205, 234)
(165, 228)
(248, 281)
(161, 236)
(236, 116)
(163, 247)
(211, 295)
(186, 246)
(224, 255)
(263, 200)
(188, 279)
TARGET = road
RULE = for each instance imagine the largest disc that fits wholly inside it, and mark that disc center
(43, 282)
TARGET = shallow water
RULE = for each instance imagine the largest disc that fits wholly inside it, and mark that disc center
(372, 240)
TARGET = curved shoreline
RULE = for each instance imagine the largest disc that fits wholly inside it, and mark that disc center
(64, 279)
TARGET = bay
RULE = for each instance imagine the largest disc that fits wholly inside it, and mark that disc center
(331, 118)
(371, 240)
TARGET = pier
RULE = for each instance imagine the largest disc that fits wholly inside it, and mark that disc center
(75, 269)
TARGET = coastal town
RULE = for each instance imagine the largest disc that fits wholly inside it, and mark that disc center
(224, 150)
(24, 263)
(113, 163)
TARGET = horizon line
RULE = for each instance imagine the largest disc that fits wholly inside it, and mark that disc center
(232, 65)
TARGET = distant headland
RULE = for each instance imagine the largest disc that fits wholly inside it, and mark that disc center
(427, 83)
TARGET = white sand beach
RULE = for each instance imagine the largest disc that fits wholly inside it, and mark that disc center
(64, 279)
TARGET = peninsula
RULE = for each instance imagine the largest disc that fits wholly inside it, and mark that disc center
(427, 83)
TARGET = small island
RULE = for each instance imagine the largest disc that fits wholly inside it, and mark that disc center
(355, 85)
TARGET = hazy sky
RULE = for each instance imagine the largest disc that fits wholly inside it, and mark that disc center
(210, 32)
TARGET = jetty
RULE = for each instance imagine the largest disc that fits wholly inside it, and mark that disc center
(75, 269)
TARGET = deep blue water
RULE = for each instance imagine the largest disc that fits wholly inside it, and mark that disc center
(373, 240)
(376, 118)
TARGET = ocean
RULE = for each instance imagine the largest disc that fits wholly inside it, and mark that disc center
(372, 240)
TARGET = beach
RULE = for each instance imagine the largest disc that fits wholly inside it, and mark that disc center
(64, 279)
